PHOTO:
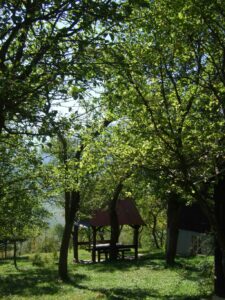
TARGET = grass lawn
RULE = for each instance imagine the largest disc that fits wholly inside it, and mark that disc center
(146, 279)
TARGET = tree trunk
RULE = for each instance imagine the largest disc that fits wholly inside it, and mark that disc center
(161, 238)
(63, 257)
(219, 281)
(14, 255)
(75, 243)
(114, 234)
(114, 223)
(173, 213)
(219, 198)
(154, 231)
(72, 200)
(135, 240)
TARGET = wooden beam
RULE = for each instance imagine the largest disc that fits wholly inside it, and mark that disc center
(94, 230)
(136, 234)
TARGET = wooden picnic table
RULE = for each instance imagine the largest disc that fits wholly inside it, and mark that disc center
(105, 249)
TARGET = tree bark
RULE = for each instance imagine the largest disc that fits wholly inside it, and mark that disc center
(154, 231)
(114, 223)
(75, 243)
(72, 202)
(14, 255)
(219, 199)
(173, 213)
(72, 205)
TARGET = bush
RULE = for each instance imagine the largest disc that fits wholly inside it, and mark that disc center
(38, 261)
(41, 260)
(206, 269)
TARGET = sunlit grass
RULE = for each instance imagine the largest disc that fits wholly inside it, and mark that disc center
(148, 278)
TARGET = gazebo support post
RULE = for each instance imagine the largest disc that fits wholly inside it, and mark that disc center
(94, 230)
(75, 243)
(89, 238)
(136, 233)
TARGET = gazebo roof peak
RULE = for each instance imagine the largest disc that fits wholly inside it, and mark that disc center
(127, 213)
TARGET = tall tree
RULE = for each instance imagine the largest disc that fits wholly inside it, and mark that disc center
(169, 81)
(69, 168)
(47, 55)
(42, 46)
(23, 193)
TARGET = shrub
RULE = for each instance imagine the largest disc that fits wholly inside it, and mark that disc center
(38, 261)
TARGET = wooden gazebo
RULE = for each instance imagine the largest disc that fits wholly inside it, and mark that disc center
(127, 214)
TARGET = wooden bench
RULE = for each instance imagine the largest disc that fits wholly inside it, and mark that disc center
(123, 251)
(105, 249)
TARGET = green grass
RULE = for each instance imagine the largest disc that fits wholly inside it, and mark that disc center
(149, 278)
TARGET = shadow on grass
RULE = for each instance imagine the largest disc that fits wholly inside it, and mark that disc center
(34, 282)
(3, 261)
(44, 281)
(6, 261)
(123, 293)
(138, 294)
(192, 269)
(151, 261)
(21, 258)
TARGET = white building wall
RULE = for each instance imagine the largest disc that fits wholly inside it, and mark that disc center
(188, 242)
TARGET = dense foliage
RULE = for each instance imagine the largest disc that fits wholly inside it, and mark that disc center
(148, 81)
(23, 192)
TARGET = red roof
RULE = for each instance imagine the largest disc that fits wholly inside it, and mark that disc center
(127, 215)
